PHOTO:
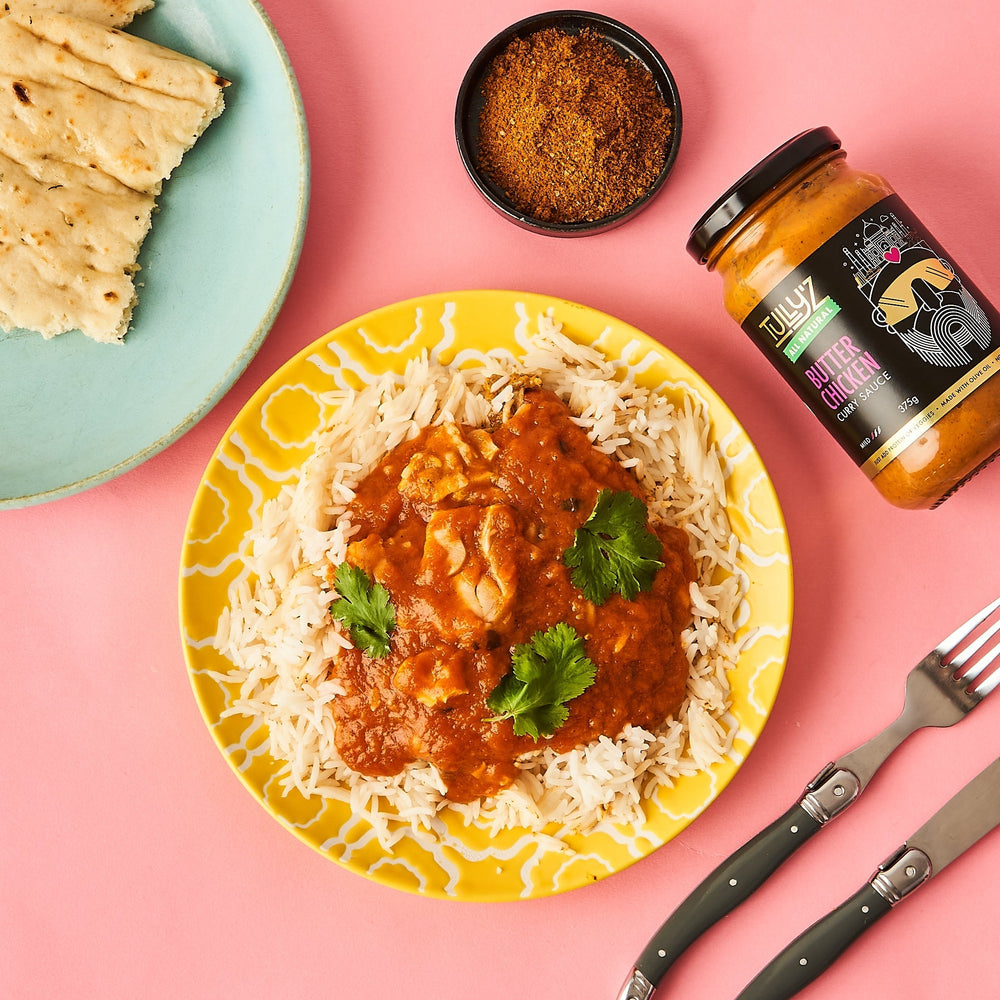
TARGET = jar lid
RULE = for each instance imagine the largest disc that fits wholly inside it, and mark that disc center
(756, 182)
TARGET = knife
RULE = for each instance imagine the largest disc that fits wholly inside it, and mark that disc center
(953, 829)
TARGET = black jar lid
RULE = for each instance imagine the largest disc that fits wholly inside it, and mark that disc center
(756, 182)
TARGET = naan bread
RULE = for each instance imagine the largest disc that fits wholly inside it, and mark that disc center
(69, 238)
(92, 121)
(111, 13)
(99, 98)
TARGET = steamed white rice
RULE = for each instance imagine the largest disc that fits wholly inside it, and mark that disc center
(279, 635)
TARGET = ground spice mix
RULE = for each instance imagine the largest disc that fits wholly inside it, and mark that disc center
(571, 130)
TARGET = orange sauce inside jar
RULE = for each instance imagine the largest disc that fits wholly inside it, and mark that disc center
(808, 247)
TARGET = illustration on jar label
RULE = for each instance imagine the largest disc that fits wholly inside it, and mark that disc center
(917, 296)
(879, 333)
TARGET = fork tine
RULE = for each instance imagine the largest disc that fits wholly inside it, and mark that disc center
(947, 645)
(984, 687)
(971, 650)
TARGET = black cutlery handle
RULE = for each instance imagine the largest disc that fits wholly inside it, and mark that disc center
(814, 951)
(732, 883)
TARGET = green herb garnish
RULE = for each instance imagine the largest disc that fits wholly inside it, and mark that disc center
(365, 608)
(549, 671)
(613, 550)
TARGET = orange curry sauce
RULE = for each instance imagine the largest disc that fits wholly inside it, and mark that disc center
(466, 529)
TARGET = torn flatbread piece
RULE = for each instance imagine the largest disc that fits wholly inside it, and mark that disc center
(100, 98)
(69, 238)
(110, 13)
(92, 121)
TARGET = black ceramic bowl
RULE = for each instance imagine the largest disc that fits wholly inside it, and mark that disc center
(470, 105)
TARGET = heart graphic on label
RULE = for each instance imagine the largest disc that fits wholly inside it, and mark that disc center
(892, 255)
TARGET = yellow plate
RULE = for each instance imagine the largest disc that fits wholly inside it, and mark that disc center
(265, 447)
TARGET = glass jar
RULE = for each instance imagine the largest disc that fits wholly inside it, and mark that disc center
(864, 314)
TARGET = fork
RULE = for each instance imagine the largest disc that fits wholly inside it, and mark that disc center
(940, 691)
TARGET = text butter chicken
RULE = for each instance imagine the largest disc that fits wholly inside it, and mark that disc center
(505, 591)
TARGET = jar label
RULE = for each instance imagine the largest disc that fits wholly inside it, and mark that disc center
(879, 333)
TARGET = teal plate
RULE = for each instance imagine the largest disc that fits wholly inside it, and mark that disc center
(215, 269)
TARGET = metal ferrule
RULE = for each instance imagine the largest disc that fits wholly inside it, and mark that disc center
(636, 987)
(830, 793)
(900, 874)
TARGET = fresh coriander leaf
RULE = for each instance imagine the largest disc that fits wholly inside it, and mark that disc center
(613, 550)
(365, 608)
(547, 672)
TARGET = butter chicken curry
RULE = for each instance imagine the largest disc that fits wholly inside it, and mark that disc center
(467, 531)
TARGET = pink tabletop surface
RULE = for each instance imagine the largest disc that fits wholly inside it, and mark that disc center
(134, 864)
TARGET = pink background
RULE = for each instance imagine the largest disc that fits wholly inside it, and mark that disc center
(134, 864)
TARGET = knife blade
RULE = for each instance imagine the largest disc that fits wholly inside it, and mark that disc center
(965, 819)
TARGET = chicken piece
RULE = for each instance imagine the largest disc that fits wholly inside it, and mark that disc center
(432, 676)
(469, 564)
(452, 460)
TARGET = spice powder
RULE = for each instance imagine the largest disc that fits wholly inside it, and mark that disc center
(571, 130)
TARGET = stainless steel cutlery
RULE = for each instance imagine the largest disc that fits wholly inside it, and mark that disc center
(940, 691)
(951, 831)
